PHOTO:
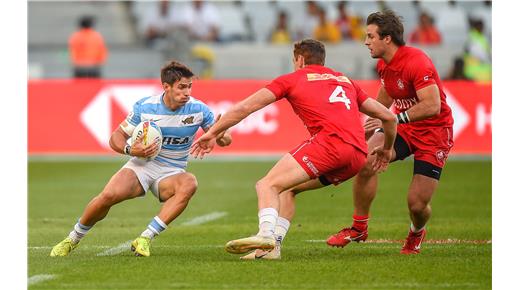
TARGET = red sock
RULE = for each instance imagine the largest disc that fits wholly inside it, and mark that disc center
(360, 222)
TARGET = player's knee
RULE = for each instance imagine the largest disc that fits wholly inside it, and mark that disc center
(109, 197)
(417, 207)
(260, 185)
(264, 185)
(189, 185)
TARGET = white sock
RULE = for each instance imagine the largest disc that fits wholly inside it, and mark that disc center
(281, 229)
(148, 233)
(267, 218)
(412, 227)
(155, 227)
(79, 232)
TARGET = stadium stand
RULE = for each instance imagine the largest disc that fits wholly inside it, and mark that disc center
(51, 23)
(240, 47)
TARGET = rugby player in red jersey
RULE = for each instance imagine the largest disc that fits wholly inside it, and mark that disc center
(328, 103)
(410, 82)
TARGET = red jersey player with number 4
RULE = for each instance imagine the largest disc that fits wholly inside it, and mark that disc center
(410, 82)
(328, 103)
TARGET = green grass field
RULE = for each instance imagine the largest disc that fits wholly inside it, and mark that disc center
(192, 256)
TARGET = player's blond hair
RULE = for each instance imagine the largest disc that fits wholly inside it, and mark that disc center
(313, 51)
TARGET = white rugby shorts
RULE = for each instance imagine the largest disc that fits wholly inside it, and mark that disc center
(150, 173)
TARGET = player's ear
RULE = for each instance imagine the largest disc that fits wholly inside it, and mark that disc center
(388, 39)
(299, 60)
(166, 86)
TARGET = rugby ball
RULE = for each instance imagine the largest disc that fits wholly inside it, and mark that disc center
(150, 132)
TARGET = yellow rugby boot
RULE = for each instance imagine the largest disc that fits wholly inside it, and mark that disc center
(141, 246)
(64, 248)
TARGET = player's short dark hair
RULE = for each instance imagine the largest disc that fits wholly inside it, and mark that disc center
(174, 71)
(388, 23)
(313, 51)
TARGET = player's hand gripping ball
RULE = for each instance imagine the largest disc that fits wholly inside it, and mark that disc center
(150, 132)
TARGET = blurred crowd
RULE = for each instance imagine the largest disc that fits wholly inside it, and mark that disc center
(184, 27)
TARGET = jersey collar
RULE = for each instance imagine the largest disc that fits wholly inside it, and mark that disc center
(397, 57)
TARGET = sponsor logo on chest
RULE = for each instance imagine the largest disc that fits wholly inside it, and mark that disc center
(400, 84)
(405, 104)
(175, 140)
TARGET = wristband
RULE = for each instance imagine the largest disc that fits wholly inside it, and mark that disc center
(403, 118)
(126, 150)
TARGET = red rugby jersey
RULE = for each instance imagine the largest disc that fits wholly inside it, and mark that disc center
(410, 70)
(325, 100)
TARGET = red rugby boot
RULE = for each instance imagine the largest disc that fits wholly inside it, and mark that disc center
(413, 242)
(347, 235)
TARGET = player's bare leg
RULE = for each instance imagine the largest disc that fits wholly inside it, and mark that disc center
(122, 186)
(364, 192)
(365, 182)
(288, 197)
(176, 191)
(285, 174)
(419, 197)
(285, 216)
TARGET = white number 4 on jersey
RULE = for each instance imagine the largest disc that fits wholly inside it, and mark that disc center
(339, 96)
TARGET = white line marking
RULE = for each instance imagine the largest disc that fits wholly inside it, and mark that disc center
(205, 218)
(40, 278)
(116, 250)
(83, 247)
(180, 246)
(122, 247)
(39, 248)
(388, 241)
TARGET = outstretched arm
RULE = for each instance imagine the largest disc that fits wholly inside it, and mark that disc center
(224, 138)
(376, 110)
(242, 109)
(237, 113)
(372, 124)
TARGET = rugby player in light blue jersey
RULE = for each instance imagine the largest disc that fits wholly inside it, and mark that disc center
(179, 116)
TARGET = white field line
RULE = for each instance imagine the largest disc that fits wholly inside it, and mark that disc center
(40, 278)
(116, 250)
(195, 221)
(83, 247)
(446, 241)
(155, 246)
(377, 241)
(204, 218)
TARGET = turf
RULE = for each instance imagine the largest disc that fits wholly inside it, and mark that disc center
(192, 256)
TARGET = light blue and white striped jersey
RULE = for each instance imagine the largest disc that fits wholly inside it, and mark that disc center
(178, 127)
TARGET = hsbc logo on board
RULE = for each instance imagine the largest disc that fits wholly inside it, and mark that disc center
(461, 118)
(97, 117)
